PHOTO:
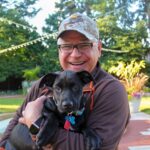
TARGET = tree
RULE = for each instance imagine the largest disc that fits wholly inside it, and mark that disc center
(120, 28)
(14, 30)
(24, 8)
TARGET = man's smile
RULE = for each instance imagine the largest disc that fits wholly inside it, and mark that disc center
(77, 63)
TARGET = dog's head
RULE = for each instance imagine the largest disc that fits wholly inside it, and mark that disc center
(67, 88)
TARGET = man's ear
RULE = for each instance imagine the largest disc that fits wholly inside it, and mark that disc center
(100, 47)
(48, 79)
(85, 77)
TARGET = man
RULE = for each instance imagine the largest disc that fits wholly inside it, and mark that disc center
(80, 49)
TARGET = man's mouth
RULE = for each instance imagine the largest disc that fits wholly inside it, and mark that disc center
(77, 63)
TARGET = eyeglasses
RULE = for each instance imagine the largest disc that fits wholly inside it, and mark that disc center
(81, 47)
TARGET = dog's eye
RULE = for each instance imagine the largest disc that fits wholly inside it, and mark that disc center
(75, 88)
(58, 89)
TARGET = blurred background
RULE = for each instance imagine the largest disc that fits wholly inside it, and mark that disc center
(28, 49)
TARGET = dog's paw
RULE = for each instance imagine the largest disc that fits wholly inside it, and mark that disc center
(92, 140)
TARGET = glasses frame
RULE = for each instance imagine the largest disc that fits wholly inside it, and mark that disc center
(77, 46)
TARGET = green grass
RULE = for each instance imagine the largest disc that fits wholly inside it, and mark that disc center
(145, 105)
(11, 104)
(11, 101)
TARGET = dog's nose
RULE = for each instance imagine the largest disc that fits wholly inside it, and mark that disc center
(67, 104)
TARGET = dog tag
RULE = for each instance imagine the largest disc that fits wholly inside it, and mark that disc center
(67, 125)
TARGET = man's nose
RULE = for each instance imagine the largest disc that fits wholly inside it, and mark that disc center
(75, 52)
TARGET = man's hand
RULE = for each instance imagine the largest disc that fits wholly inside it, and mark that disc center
(32, 111)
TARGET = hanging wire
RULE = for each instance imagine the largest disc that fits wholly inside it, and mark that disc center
(16, 24)
(48, 36)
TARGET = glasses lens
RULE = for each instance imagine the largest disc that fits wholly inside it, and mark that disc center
(84, 46)
(65, 48)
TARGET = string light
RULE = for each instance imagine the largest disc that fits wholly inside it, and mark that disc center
(47, 36)
(16, 24)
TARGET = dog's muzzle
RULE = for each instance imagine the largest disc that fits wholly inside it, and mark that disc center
(67, 106)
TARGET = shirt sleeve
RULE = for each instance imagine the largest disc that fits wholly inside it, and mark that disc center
(108, 118)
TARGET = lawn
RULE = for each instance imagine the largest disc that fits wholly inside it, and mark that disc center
(11, 104)
(145, 105)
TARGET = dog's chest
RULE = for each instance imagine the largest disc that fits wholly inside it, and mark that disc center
(72, 122)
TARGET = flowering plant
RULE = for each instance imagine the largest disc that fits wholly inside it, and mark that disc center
(137, 95)
(131, 77)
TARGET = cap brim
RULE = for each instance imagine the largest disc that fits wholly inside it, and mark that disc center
(87, 35)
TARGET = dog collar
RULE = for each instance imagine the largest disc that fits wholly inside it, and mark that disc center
(70, 118)
(78, 112)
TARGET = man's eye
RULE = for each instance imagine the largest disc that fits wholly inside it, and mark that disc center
(75, 88)
(84, 46)
(66, 47)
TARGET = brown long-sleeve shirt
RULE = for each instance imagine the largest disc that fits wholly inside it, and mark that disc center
(109, 117)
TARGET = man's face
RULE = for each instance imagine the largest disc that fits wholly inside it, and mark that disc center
(78, 60)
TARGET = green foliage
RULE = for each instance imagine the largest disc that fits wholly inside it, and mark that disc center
(31, 74)
(127, 71)
(130, 75)
(120, 27)
(23, 7)
(14, 62)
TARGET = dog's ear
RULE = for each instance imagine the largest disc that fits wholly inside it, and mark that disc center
(48, 79)
(85, 77)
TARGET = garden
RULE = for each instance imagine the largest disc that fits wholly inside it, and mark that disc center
(124, 32)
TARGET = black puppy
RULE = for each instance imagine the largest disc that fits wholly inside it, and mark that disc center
(67, 104)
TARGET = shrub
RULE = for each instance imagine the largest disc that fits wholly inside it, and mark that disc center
(131, 76)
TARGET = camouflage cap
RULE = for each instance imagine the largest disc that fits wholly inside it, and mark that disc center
(82, 24)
